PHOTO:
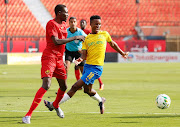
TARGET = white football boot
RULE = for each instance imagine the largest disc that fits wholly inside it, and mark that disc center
(26, 119)
(50, 106)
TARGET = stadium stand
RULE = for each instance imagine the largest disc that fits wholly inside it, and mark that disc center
(119, 16)
(20, 21)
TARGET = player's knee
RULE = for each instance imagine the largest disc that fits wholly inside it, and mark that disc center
(86, 91)
(63, 88)
(46, 83)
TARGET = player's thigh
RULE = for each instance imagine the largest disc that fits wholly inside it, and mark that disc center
(77, 55)
(60, 71)
(48, 65)
(68, 63)
(69, 56)
(90, 74)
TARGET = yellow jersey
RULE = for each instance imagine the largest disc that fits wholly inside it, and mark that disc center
(95, 44)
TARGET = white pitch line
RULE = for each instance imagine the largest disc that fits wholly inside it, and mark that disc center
(20, 111)
(105, 112)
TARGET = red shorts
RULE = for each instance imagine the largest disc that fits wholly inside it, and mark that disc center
(53, 67)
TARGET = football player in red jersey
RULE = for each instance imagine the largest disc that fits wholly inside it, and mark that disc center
(83, 25)
(52, 61)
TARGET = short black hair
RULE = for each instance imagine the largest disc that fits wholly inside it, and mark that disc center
(94, 17)
(72, 18)
(82, 20)
(58, 8)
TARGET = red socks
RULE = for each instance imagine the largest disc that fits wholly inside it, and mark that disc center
(36, 101)
(59, 96)
(77, 74)
(38, 97)
(100, 81)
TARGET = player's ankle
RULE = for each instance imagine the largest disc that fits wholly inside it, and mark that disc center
(55, 106)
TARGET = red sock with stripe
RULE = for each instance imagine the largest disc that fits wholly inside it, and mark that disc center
(59, 96)
(77, 74)
(37, 99)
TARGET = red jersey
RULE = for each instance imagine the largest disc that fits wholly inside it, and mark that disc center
(87, 31)
(58, 30)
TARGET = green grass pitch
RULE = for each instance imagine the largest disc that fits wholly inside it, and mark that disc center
(130, 92)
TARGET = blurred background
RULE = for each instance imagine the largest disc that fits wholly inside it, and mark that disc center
(136, 25)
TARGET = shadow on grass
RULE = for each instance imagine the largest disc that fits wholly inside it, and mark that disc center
(127, 122)
(152, 116)
(17, 120)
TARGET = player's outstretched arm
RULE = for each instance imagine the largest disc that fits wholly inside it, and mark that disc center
(58, 41)
(114, 45)
(82, 58)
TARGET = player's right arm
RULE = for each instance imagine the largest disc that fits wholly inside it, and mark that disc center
(53, 34)
(82, 58)
(58, 41)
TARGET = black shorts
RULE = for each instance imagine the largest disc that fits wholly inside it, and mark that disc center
(71, 55)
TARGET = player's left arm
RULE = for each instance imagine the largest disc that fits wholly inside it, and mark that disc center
(82, 58)
(115, 46)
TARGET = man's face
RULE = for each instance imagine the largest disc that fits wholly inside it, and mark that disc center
(73, 23)
(95, 25)
(64, 14)
(83, 24)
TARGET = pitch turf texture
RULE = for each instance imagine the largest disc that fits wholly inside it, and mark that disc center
(130, 91)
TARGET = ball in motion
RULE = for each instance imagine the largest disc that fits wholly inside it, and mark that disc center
(163, 101)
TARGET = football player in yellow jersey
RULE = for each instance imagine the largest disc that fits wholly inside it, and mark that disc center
(94, 48)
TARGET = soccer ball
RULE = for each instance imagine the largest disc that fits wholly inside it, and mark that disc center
(163, 101)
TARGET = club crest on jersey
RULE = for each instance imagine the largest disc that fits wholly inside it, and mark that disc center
(47, 72)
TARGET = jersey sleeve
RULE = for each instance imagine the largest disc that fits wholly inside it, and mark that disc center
(83, 33)
(108, 37)
(51, 29)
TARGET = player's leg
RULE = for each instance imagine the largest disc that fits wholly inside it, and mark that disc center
(46, 75)
(68, 64)
(101, 85)
(60, 74)
(77, 72)
(60, 93)
(90, 74)
(59, 96)
(37, 99)
(93, 94)
(72, 91)
(81, 68)
(68, 59)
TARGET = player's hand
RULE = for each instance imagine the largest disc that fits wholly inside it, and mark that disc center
(81, 38)
(80, 51)
(78, 61)
(125, 55)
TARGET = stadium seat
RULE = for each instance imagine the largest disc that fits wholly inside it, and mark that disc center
(20, 21)
(121, 14)
(118, 17)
